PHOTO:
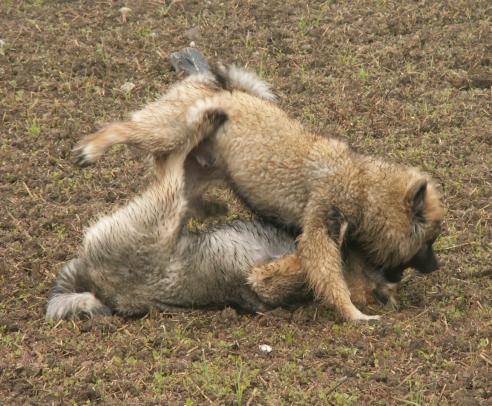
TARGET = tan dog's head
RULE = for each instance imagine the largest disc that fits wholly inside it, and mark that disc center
(402, 223)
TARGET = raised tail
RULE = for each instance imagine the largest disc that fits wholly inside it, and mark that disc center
(70, 296)
(232, 77)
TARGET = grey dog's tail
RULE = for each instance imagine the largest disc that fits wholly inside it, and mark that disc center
(191, 61)
(71, 297)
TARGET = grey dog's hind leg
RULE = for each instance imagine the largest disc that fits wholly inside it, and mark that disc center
(155, 217)
(190, 61)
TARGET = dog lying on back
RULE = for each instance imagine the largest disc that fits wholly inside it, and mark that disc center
(142, 257)
(293, 177)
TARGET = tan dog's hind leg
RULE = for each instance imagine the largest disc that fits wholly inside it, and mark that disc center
(91, 147)
(162, 140)
(171, 133)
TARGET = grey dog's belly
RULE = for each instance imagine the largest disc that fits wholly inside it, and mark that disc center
(211, 269)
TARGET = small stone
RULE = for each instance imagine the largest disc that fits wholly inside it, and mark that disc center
(127, 87)
(192, 44)
(125, 12)
(265, 348)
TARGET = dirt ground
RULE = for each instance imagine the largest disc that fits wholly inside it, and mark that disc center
(407, 81)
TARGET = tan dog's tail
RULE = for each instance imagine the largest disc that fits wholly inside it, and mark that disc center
(232, 77)
(191, 61)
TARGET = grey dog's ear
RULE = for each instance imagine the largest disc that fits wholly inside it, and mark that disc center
(415, 198)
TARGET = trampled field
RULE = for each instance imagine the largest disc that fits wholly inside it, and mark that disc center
(407, 81)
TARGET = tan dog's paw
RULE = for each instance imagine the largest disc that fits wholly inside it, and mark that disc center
(354, 314)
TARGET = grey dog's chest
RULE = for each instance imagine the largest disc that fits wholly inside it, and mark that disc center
(206, 154)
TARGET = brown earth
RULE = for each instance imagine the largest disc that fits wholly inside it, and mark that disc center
(408, 81)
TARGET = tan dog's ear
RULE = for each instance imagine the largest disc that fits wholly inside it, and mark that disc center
(415, 199)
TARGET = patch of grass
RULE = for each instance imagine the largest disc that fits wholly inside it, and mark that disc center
(344, 399)
(363, 74)
(34, 129)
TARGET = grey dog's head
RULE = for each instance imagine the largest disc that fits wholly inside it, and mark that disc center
(367, 282)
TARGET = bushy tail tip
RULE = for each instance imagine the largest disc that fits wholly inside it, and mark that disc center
(68, 298)
(232, 77)
(69, 305)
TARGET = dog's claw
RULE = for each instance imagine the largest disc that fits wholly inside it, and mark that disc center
(366, 317)
(80, 157)
(357, 315)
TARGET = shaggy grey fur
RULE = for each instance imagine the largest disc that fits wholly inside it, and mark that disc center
(142, 257)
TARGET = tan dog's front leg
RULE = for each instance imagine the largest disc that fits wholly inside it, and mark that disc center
(320, 258)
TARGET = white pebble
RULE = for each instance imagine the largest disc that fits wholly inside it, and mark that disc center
(265, 348)
(127, 87)
(125, 11)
